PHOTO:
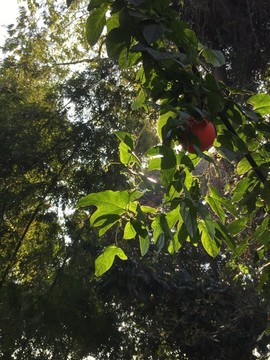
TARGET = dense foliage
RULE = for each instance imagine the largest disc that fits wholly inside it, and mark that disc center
(100, 128)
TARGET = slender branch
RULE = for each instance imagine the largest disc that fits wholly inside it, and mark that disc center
(263, 267)
(75, 62)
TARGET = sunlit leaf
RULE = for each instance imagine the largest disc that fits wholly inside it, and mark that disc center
(110, 206)
(243, 166)
(208, 239)
(127, 156)
(216, 207)
(105, 260)
(260, 103)
(117, 200)
(129, 231)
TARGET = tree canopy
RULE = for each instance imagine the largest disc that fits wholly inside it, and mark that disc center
(118, 239)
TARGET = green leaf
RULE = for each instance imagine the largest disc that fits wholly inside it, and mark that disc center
(260, 229)
(112, 22)
(105, 260)
(174, 245)
(225, 202)
(129, 231)
(243, 166)
(185, 38)
(127, 156)
(127, 58)
(211, 84)
(214, 57)
(95, 24)
(140, 101)
(215, 102)
(116, 41)
(172, 217)
(208, 240)
(241, 188)
(161, 158)
(216, 207)
(189, 216)
(260, 103)
(223, 235)
(152, 32)
(117, 200)
(264, 238)
(144, 244)
(143, 233)
(125, 138)
(160, 242)
(236, 226)
(163, 120)
(148, 209)
(110, 206)
(104, 221)
(157, 228)
(240, 249)
(95, 4)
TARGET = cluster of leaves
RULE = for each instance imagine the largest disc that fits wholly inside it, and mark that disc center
(244, 38)
(170, 313)
(170, 72)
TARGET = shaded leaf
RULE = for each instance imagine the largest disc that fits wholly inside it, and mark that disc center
(215, 102)
(70, 2)
(116, 41)
(144, 244)
(136, 2)
(237, 226)
(189, 216)
(95, 4)
(152, 32)
(95, 24)
(214, 57)
(241, 188)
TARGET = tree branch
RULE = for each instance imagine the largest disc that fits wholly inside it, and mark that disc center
(75, 62)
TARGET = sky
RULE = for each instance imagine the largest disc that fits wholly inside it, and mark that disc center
(8, 14)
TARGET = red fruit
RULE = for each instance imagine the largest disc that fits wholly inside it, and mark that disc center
(201, 133)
